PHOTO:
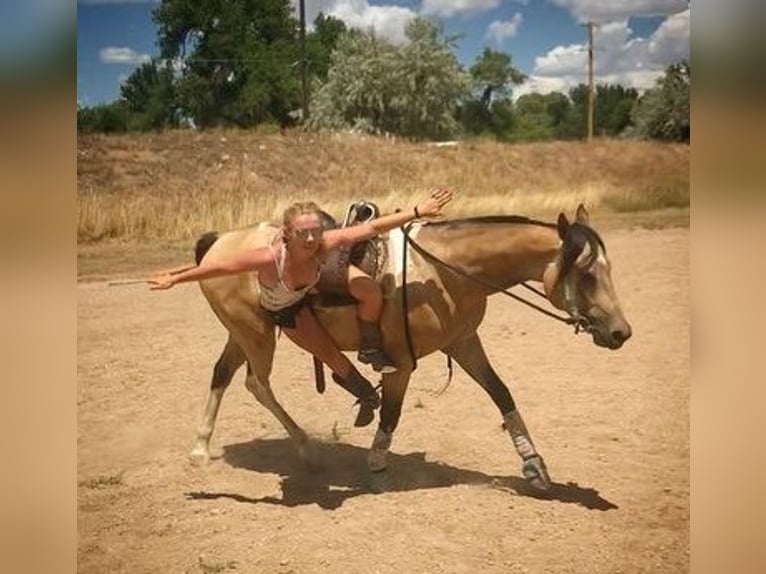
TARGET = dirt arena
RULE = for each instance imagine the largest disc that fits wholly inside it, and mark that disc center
(613, 427)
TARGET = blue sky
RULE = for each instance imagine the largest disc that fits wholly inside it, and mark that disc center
(635, 39)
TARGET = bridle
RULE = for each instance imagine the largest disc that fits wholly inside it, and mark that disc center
(580, 321)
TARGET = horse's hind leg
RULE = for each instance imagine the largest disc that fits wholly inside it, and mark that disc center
(230, 360)
(394, 389)
(469, 354)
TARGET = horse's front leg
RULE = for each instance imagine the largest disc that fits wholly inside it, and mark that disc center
(230, 360)
(469, 354)
(394, 389)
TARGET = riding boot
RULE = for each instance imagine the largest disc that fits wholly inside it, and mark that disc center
(363, 390)
(371, 348)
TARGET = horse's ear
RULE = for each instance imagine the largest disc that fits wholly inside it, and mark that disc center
(582, 215)
(562, 225)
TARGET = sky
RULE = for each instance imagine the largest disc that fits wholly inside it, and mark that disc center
(634, 40)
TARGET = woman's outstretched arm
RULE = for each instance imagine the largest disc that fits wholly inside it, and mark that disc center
(429, 207)
(250, 260)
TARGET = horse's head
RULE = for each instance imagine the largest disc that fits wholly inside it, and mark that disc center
(579, 282)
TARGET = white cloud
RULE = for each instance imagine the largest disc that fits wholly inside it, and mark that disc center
(450, 8)
(388, 22)
(121, 55)
(671, 40)
(499, 30)
(618, 57)
(604, 11)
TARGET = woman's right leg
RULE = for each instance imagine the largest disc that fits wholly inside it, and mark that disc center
(311, 336)
(369, 306)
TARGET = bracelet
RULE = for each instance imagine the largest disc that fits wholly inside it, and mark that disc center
(417, 215)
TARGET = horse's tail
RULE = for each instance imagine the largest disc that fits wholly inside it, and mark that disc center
(204, 243)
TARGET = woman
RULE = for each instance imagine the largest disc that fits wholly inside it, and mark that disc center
(289, 268)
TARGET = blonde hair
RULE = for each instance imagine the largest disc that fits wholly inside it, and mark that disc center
(299, 208)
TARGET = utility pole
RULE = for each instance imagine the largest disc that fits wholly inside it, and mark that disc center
(591, 92)
(304, 63)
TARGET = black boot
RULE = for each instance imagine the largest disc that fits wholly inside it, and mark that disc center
(363, 390)
(371, 348)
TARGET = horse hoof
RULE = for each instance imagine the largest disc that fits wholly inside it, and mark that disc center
(536, 474)
(379, 481)
(199, 456)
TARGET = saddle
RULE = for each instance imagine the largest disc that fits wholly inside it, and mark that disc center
(366, 255)
(332, 287)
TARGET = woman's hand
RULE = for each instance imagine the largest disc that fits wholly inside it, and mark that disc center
(433, 205)
(161, 281)
(166, 279)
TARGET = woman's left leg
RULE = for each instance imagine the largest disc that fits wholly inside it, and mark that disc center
(311, 336)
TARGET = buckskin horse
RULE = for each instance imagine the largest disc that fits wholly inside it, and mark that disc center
(436, 279)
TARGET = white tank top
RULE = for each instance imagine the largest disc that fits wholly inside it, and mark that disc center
(280, 296)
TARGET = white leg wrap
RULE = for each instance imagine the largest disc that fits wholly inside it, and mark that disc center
(515, 426)
(376, 459)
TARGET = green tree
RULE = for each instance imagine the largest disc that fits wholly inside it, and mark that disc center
(494, 76)
(321, 42)
(488, 108)
(411, 90)
(663, 112)
(534, 121)
(431, 83)
(237, 56)
(612, 108)
(611, 113)
(359, 88)
(113, 117)
(572, 125)
(149, 94)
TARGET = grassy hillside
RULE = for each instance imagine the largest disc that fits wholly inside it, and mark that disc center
(176, 185)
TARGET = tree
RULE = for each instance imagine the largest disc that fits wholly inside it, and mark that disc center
(113, 117)
(431, 83)
(663, 112)
(237, 59)
(611, 112)
(489, 108)
(534, 121)
(149, 95)
(613, 106)
(411, 90)
(359, 87)
(321, 42)
(494, 75)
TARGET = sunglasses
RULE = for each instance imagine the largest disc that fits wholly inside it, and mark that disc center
(304, 233)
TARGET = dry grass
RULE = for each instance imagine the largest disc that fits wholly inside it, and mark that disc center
(176, 185)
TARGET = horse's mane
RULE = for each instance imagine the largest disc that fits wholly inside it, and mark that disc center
(577, 236)
(520, 219)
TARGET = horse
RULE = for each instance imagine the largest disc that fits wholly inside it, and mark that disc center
(436, 277)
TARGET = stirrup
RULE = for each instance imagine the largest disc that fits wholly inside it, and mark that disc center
(378, 359)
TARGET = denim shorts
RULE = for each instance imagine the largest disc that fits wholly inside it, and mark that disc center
(286, 318)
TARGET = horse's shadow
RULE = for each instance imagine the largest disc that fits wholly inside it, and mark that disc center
(344, 475)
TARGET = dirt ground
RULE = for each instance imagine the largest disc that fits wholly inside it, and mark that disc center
(613, 427)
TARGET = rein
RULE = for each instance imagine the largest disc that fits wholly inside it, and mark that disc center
(576, 321)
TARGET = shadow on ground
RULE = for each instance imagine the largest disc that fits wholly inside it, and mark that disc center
(344, 475)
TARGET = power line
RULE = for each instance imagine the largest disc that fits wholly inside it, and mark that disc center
(591, 91)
